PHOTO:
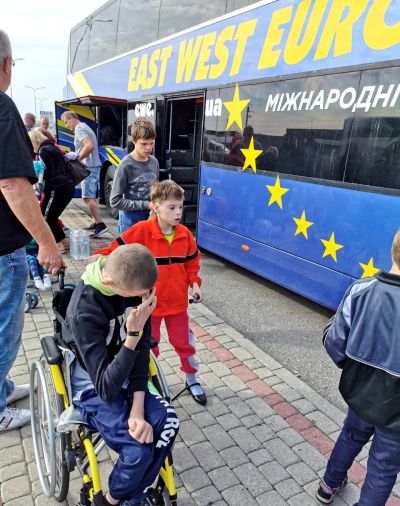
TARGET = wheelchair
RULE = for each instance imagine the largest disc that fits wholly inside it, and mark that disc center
(62, 441)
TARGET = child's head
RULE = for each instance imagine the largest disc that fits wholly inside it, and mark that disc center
(167, 199)
(143, 136)
(130, 270)
(396, 249)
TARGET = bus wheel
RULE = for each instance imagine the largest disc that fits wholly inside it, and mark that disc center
(108, 183)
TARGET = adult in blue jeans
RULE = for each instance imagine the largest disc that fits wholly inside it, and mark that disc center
(20, 218)
(363, 339)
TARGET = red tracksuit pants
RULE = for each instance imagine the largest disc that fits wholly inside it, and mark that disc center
(180, 336)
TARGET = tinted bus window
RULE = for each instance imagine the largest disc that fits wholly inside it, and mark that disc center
(374, 156)
(79, 48)
(138, 23)
(176, 15)
(232, 5)
(103, 34)
(300, 125)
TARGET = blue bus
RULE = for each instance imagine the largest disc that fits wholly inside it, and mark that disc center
(281, 119)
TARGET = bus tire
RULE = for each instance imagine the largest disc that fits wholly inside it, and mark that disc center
(108, 182)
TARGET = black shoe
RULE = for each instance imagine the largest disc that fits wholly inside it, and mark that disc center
(326, 494)
(92, 226)
(201, 398)
(99, 230)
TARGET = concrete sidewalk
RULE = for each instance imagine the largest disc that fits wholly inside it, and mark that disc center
(262, 439)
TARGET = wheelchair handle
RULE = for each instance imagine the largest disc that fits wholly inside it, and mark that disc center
(60, 276)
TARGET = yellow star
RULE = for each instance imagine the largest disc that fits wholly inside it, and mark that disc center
(250, 154)
(276, 192)
(235, 109)
(302, 225)
(331, 247)
(369, 269)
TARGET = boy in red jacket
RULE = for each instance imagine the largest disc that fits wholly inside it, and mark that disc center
(178, 260)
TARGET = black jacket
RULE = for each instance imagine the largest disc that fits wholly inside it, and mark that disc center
(56, 173)
(95, 328)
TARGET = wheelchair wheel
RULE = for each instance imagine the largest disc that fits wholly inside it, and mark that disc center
(28, 304)
(34, 299)
(159, 380)
(49, 445)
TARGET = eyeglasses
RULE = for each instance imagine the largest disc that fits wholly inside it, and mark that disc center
(12, 62)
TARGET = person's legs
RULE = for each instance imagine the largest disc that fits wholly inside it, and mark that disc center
(354, 435)
(138, 464)
(128, 218)
(382, 468)
(156, 332)
(53, 205)
(180, 337)
(13, 280)
(89, 188)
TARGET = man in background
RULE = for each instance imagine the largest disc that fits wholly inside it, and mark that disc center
(87, 151)
(29, 121)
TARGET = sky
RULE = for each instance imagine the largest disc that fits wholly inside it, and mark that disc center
(39, 34)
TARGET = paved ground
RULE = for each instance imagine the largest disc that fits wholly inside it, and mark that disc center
(262, 439)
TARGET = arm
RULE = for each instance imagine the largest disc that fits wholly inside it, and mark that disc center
(139, 429)
(19, 194)
(337, 331)
(130, 236)
(86, 150)
(192, 264)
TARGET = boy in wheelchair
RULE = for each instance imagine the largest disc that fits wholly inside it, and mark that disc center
(107, 326)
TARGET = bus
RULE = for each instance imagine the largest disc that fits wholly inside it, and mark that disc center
(281, 120)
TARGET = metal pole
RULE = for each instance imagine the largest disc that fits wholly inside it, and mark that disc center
(34, 94)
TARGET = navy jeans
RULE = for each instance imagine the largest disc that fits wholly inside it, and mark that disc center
(128, 218)
(138, 464)
(383, 461)
(13, 279)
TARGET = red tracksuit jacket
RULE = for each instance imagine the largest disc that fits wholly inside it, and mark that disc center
(178, 262)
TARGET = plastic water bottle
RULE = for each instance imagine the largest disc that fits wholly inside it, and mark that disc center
(79, 244)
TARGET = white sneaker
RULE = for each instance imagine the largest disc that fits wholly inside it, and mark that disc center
(39, 283)
(19, 392)
(12, 418)
(47, 281)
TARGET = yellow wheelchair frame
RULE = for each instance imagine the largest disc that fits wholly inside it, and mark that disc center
(61, 447)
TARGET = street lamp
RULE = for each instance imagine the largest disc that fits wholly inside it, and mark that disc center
(34, 93)
(15, 60)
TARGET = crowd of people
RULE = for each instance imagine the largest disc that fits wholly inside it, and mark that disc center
(142, 278)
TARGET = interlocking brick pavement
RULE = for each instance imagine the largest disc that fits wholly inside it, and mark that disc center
(262, 440)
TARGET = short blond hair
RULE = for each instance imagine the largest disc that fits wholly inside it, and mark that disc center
(37, 138)
(69, 115)
(166, 190)
(142, 128)
(396, 249)
(132, 267)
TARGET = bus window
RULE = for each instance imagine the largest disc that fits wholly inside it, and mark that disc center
(103, 34)
(138, 22)
(295, 130)
(176, 16)
(374, 155)
(79, 48)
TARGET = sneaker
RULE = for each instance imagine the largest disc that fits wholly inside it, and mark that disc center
(47, 281)
(99, 230)
(326, 494)
(19, 392)
(92, 226)
(38, 283)
(12, 418)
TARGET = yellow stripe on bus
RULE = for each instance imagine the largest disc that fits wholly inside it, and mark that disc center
(79, 85)
(112, 156)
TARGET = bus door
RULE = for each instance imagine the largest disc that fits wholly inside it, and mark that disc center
(107, 117)
(182, 148)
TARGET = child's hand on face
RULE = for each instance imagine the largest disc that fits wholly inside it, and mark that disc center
(196, 293)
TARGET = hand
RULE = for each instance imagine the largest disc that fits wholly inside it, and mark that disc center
(71, 155)
(196, 292)
(139, 315)
(91, 259)
(140, 430)
(50, 257)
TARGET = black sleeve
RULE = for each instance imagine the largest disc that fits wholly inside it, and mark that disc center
(16, 158)
(140, 373)
(90, 330)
